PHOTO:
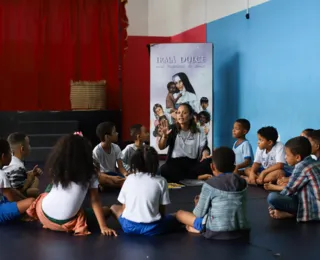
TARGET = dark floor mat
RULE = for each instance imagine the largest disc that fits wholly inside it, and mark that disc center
(269, 239)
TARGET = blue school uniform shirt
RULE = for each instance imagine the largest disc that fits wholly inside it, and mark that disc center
(242, 151)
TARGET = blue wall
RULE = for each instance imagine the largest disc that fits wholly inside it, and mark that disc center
(267, 69)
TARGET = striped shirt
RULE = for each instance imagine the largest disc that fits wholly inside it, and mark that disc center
(16, 173)
(305, 183)
(4, 184)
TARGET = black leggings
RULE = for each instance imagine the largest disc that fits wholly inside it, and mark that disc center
(177, 169)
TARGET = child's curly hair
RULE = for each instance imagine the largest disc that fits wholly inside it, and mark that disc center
(71, 161)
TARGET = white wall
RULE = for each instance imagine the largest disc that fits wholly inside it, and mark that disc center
(137, 12)
(171, 17)
(216, 9)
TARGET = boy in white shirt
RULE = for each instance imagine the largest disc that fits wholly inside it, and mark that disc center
(269, 160)
(26, 182)
(242, 148)
(139, 135)
(9, 209)
(108, 155)
(144, 197)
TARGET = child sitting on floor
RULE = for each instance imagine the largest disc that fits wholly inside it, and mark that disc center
(108, 154)
(242, 148)
(220, 211)
(9, 209)
(71, 167)
(139, 135)
(24, 181)
(144, 197)
(300, 198)
(283, 181)
(269, 160)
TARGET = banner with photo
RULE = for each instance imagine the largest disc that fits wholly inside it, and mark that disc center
(180, 73)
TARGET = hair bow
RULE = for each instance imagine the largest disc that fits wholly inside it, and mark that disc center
(78, 133)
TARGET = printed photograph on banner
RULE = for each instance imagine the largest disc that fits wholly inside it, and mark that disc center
(180, 73)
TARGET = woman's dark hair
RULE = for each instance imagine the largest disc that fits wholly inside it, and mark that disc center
(192, 124)
(145, 160)
(154, 109)
(299, 146)
(186, 82)
(71, 161)
(103, 129)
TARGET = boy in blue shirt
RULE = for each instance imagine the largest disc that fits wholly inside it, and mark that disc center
(242, 148)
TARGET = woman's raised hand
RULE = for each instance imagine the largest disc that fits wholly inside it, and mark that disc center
(165, 128)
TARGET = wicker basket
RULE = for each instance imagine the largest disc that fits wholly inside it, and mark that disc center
(88, 95)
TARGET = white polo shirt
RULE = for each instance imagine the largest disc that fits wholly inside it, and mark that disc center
(275, 155)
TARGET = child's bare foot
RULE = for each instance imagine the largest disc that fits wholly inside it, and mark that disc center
(277, 214)
(251, 181)
(192, 230)
(270, 186)
(283, 181)
(260, 180)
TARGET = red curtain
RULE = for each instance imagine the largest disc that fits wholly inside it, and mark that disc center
(46, 43)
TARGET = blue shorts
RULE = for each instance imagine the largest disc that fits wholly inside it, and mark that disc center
(286, 169)
(198, 224)
(8, 210)
(165, 225)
